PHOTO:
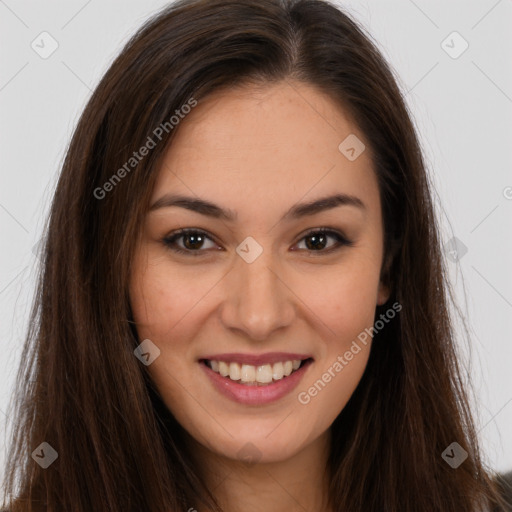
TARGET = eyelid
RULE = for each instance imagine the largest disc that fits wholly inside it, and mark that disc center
(323, 229)
(168, 239)
(341, 239)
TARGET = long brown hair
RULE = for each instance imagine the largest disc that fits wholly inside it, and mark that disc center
(82, 391)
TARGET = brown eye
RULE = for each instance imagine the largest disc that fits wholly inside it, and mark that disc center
(317, 240)
(193, 241)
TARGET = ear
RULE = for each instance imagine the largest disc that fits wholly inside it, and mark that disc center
(385, 285)
(383, 293)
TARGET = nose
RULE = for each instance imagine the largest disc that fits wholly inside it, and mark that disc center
(258, 300)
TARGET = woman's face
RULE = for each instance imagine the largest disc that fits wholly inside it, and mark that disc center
(257, 290)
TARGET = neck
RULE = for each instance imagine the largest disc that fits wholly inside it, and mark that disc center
(296, 484)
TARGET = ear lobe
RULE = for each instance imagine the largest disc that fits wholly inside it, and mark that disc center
(383, 294)
(385, 285)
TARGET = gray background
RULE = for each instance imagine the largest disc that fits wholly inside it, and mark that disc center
(462, 109)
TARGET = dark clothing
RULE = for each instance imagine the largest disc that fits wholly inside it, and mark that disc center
(505, 482)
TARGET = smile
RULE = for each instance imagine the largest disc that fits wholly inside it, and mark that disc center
(251, 375)
(255, 384)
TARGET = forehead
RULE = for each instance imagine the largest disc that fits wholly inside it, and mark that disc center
(279, 143)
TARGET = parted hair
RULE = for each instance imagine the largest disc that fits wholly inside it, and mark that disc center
(79, 387)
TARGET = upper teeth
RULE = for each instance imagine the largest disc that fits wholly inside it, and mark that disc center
(247, 373)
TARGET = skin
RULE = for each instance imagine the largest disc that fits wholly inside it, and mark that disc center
(259, 152)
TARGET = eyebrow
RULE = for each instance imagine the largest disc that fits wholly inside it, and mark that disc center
(295, 212)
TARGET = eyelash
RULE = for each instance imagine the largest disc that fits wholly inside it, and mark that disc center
(169, 241)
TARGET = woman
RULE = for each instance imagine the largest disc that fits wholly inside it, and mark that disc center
(243, 303)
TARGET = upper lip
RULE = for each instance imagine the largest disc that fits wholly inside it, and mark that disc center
(256, 359)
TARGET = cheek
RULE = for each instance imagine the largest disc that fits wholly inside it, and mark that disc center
(344, 299)
(167, 308)
(345, 302)
(347, 306)
(162, 298)
(161, 308)
(326, 393)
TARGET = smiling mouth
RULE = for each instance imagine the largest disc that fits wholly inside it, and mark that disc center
(251, 375)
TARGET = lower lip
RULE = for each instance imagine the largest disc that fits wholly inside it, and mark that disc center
(255, 395)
